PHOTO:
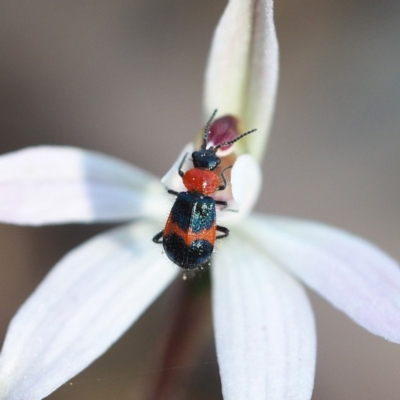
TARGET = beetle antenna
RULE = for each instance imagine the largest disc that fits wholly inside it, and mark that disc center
(234, 140)
(207, 130)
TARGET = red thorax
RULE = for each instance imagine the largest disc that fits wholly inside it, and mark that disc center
(201, 181)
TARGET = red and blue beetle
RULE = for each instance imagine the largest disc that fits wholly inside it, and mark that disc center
(191, 229)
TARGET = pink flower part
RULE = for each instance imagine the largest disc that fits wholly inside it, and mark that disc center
(222, 130)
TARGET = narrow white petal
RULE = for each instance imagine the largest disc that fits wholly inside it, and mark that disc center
(242, 72)
(351, 273)
(263, 77)
(246, 181)
(52, 184)
(264, 326)
(90, 298)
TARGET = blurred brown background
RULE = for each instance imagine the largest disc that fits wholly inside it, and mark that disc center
(125, 78)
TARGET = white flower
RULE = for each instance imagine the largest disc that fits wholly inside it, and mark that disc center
(264, 327)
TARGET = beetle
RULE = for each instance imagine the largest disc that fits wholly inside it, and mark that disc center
(191, 229)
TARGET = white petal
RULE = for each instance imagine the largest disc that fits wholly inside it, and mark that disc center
(246, 180)
(85, 304)
(242, 72)
(351, 273)
(51, 184)
(172, 179)
(264, 326)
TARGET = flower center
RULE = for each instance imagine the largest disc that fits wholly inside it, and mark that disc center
(223, 130)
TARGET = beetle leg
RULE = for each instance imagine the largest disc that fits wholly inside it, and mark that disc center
(224, 205)
(181, 173)
(156, 239)
(225, 184)
(173, 192)
(225, 232)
